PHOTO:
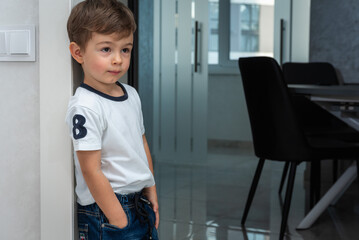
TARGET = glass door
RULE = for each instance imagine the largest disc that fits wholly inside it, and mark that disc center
(180, 81)
(283, 31)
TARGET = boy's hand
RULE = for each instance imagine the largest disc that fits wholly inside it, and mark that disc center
(120, 222)
(151, 194)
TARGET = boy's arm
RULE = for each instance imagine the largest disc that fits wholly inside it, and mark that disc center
(100, 188)
(150, 192)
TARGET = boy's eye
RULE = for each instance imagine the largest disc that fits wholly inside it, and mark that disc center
(106, 49)
(126, 50)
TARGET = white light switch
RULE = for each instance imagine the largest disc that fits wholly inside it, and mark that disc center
(19, 42)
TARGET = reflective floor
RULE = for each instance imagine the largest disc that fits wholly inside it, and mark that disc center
(206, 201)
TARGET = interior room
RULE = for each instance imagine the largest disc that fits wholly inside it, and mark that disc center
(198, 120)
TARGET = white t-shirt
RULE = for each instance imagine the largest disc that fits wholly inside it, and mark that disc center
(113, 125)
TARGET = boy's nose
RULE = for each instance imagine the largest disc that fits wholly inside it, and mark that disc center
(117, 59)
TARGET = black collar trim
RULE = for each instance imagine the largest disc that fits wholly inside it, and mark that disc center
(118, 99)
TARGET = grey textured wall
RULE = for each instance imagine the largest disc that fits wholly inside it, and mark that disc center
(334, 36)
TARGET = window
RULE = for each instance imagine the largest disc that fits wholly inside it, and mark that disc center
(213, 32)
(245, 35)
(239, 28)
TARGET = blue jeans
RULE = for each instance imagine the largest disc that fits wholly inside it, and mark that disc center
(93, 224)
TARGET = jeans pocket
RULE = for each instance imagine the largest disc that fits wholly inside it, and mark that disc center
(107, 226)
(83, 231)
(110, 232)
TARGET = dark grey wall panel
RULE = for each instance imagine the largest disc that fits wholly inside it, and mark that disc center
(334, 36)
(145, 64)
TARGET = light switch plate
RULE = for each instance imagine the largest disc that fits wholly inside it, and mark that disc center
(2, 43)
(17, 43)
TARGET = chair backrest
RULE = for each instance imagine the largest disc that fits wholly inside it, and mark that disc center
(275, 130)
(319, 73)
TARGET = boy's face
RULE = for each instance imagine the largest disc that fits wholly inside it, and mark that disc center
(106, 59)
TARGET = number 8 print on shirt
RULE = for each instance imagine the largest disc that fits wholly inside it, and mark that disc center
(79, 131)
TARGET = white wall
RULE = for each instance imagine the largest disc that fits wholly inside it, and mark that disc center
(19, 131)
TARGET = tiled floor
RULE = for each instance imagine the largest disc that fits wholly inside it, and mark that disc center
(206, 201)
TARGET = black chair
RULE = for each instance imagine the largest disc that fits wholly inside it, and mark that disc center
(314, 120)
(277, 134)
(317, 73)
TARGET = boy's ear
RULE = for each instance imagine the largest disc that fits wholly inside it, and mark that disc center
(76, 52)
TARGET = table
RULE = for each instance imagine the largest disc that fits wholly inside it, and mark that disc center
(343, 102)
(345, 91)
(340, 100)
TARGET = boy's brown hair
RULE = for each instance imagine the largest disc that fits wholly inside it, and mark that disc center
(100, 16)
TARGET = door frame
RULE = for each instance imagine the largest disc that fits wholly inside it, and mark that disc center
(56, 164)
(133, 70)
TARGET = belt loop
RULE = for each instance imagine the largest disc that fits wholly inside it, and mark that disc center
(124, 198)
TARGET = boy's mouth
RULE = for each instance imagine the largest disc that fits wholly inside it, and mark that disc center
(114, 72)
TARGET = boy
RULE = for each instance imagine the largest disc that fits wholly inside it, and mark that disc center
(115, 189)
